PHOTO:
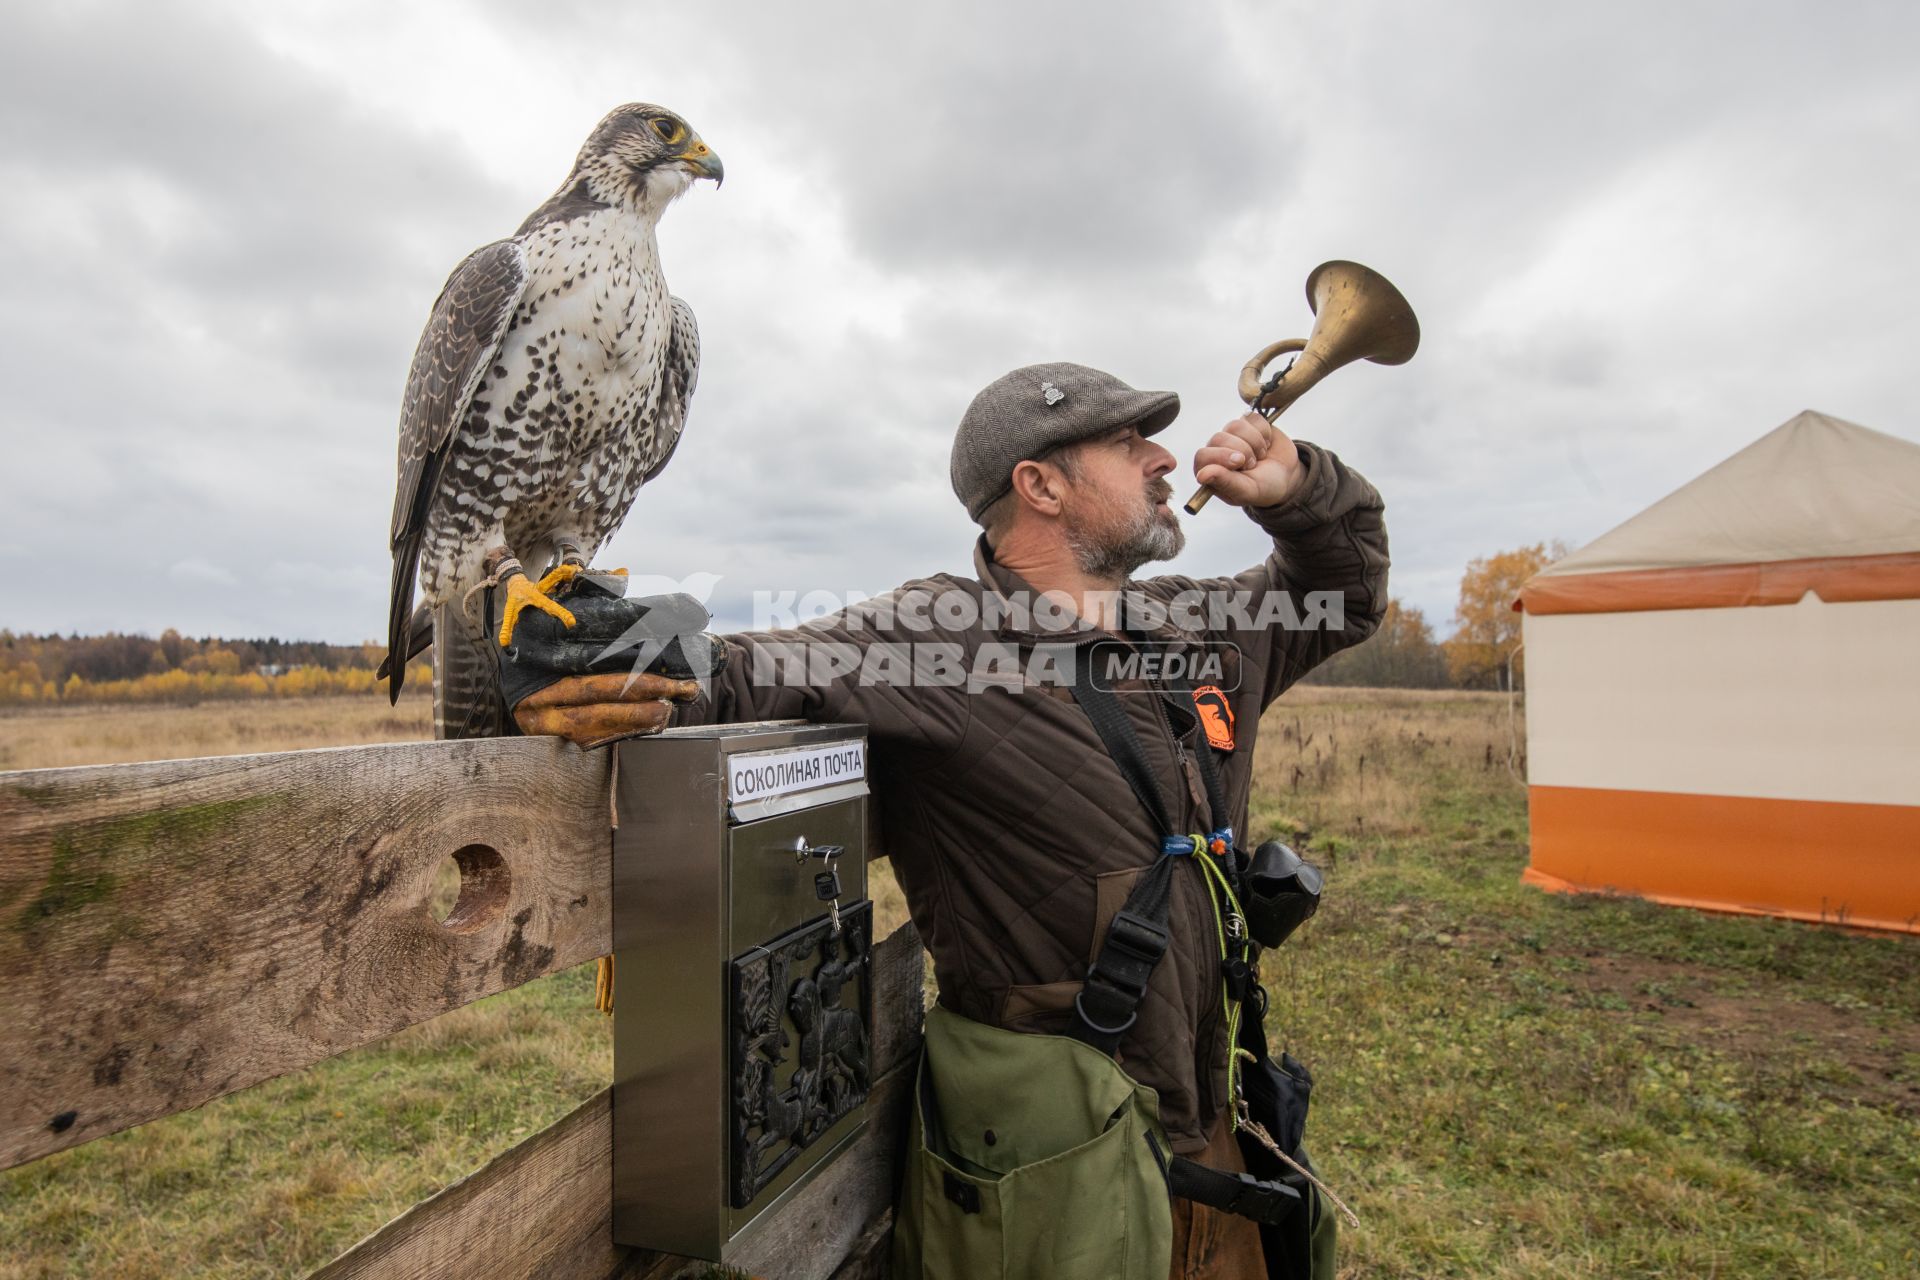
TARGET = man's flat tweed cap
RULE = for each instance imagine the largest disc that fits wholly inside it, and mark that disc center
(1029, 411)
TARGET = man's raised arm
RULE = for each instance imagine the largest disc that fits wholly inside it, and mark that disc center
(1330, 537)
(1323, 587)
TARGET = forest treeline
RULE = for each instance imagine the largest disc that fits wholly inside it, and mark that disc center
(1482, 652)
(175, 668)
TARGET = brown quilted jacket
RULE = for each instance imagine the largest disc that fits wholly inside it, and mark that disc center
(1013, 834)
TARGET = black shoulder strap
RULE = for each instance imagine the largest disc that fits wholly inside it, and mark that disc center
(1138, 936)
(1116, 733)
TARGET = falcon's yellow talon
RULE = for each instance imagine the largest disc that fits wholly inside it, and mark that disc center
(522, 594)
(559, 574)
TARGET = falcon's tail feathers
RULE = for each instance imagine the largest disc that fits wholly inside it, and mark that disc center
(419, 640)
(406, 566)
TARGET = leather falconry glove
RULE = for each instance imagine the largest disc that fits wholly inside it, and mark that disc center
(616, 672)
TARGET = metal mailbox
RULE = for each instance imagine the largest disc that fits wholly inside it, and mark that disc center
(743, 1003)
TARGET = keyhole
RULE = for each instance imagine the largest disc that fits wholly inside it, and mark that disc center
(469, 889)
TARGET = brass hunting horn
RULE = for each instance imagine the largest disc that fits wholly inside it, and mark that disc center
(1358, 315)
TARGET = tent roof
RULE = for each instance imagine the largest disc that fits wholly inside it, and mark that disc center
(1814, 487)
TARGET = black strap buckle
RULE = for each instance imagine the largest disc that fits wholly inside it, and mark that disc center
(1268, 1203)
(1238, 976)
(1242, 1194)
(1138, 937)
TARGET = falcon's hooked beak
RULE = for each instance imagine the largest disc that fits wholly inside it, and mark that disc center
(704, 162)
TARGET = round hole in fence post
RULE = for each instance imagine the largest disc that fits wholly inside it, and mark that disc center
(470, 889)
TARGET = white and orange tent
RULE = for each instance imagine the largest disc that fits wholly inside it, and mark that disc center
(1723, 693)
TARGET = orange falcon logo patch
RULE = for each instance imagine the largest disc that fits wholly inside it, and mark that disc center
(1215, 715)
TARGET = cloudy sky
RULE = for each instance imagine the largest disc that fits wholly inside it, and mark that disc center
(1638, 236)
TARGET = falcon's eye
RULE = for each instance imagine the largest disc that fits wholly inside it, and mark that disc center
(669, 130)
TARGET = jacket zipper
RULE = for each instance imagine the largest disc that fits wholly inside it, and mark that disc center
(1179, 747)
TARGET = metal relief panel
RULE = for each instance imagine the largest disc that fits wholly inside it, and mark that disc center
(801, 1031)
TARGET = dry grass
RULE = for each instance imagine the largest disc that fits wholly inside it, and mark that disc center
(1344, 758)
(58, 737)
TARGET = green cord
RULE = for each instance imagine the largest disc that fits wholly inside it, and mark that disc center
(1216, 879)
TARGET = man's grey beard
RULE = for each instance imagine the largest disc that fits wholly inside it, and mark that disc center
(1145, 538)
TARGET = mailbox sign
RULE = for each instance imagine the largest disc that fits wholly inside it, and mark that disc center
(760, 775)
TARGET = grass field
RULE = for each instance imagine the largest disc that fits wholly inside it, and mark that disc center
(1514, 1084)
(54, 737)
(1509, 1084)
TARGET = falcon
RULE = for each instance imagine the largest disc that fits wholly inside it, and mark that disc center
(551, 382)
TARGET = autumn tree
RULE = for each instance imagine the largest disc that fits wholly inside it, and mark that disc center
(1486, 626)
(1401, 654)
(216, 659)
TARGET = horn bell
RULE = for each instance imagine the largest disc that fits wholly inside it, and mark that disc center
(1358, 315)
(1361, 314)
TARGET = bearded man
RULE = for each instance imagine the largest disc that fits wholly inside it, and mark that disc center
(1015, 834)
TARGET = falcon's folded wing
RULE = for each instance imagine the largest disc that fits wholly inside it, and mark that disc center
(462, 337)
(681, 373)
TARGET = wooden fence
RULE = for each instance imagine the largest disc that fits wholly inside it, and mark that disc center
(175, 931)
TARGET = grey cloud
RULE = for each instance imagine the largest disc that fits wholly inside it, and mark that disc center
(996, 138)
(1638, 237)
(223, 283)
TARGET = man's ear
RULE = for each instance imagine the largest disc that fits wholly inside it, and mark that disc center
(1039, 485)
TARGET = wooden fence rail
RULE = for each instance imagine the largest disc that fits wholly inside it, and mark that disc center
(172, 932)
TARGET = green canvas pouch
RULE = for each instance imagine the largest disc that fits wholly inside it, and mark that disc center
(1027, 1156)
